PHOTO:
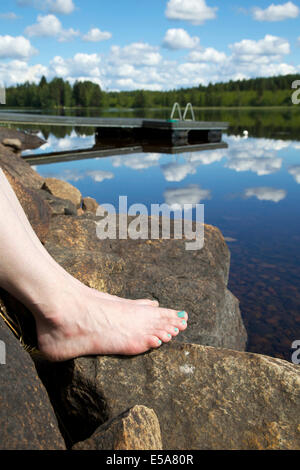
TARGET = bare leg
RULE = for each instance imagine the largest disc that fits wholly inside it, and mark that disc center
(7, 189)
(70, 321)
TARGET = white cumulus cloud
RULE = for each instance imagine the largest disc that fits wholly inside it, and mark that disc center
(276, 12)
(18, 71)
(45, 26)
(96, 35)
(16, 47)
(60, 6)
(194, 11)
(178, 38)
(81, 66)
(50, 26)
(207, 55)
(270, 48)
(138, 53)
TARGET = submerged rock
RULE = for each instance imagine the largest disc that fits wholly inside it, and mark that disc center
(204, 397)
(135, 429)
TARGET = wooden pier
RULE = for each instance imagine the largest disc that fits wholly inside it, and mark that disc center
(171, 131)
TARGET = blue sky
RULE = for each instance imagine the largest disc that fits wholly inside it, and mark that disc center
(157, 44)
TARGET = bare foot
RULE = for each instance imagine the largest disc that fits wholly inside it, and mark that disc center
(86, 325)
(104, 295)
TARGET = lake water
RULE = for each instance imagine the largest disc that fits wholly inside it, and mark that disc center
(251, 191)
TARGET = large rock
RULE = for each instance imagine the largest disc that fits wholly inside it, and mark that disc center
(135, 429)
(90, 204)
(63, 190)
(85, 265)
(27, 420)
(84, 391)
(13, 164)
(28, 140)
(195, 281)
(25, 182)
(57, 205)
(16, 144)
(204, 397)
(36, 209)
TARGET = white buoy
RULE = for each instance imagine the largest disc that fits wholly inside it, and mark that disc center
(245, 134)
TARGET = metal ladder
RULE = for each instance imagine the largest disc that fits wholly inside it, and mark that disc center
(188, 107)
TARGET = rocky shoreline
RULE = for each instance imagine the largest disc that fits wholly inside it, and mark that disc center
(202, 391)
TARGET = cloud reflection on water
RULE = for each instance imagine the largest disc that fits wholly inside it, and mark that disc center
(295, 172)
(192, 194)
(256, 155)
(138, 161)
(259, 156)
(265, 193)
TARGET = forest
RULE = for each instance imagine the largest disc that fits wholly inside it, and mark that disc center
(58, 93)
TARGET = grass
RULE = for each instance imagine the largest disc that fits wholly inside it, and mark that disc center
(17, 331)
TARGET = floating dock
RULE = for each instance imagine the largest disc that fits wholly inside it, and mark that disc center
(171, 131)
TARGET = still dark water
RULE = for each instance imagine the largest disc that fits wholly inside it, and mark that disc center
(251, 191)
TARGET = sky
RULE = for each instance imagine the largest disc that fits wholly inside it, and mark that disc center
(147, 44)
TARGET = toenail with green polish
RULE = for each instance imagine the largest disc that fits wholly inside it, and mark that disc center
(159, 342)
(181, 314)
(176, 330)
(183, 322)
(169, 336)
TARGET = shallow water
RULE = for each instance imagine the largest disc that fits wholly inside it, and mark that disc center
(251, 191)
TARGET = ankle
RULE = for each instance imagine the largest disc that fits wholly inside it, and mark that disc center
(52, 306)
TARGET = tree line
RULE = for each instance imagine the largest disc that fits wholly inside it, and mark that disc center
(57, 93)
